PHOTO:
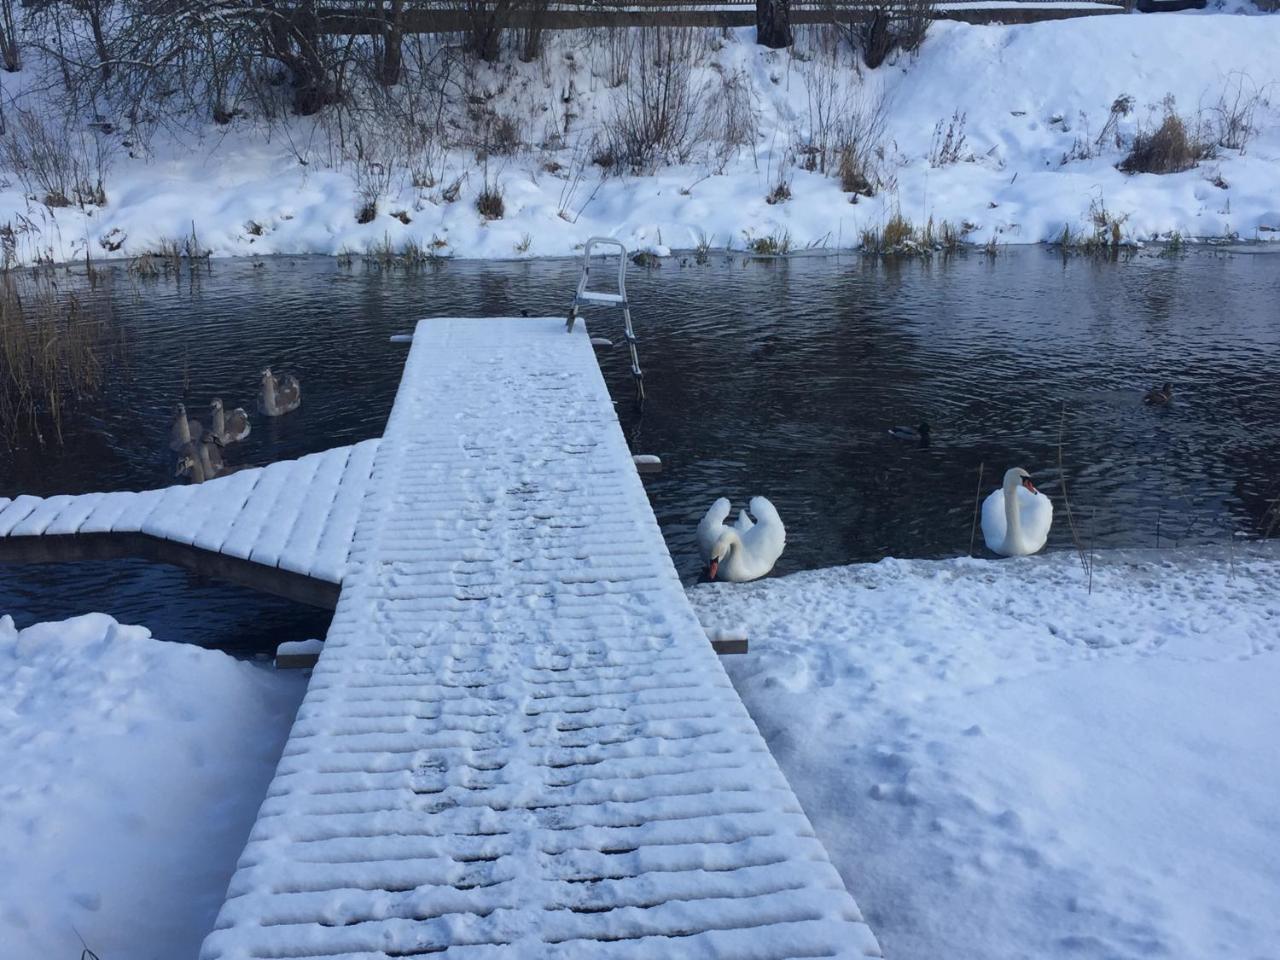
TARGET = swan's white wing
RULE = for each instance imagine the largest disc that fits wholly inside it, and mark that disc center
(712, 526)
(1036, 514)
(993, 525)
(763, 544)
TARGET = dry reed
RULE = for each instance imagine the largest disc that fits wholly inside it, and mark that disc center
(55, 345)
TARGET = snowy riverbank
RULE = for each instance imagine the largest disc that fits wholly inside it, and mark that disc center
(133, 770)
(1003, 765)
(1033, 149)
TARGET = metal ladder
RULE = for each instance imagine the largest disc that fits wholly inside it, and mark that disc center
(583, 295)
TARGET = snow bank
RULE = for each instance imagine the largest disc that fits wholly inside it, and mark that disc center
(1027, 93)
(133, 770)
(1004, 765)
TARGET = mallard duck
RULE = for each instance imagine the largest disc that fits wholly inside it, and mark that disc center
(920, 433)
(279, 395)
(1159, 396)
(229, 428)
(183, 429)
(189, 465)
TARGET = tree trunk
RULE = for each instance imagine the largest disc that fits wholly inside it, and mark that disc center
(292, 37)
(773, 23)
(392, 43)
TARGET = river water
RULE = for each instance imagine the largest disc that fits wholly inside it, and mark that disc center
(774, 377)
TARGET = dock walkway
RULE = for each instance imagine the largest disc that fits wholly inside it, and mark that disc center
(285, 528)
(517, 742)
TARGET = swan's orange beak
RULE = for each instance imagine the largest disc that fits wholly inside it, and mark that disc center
(1026, 482)
(712, 567)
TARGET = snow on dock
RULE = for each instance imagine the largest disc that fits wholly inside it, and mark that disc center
(294, 519)
(517, 741)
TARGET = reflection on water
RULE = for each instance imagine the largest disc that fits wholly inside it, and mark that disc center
(774, 377)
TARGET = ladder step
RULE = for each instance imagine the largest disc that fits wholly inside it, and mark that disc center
(596, 296)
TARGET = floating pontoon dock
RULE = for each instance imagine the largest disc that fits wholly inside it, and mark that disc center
(517, 742)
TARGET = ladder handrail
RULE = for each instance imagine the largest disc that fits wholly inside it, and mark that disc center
(619, 300)
(586, 264)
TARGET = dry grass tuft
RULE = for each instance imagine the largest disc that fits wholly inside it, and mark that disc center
(1170, 148)
(490, 203)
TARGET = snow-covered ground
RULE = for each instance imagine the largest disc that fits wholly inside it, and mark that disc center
(130, 773)
(1000, 763)
(1004, 765)
(1029, 97)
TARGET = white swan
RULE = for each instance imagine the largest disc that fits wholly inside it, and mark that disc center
(1017, 517)
(745, 551)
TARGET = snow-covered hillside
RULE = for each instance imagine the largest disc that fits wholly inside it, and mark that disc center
(1034, 146)
(1006, 765)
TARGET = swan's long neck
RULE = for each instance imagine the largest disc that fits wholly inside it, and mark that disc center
(269, 392)
(184, 428)
(219, 420)
(1012, 516)
(206, 463)
(733, 549)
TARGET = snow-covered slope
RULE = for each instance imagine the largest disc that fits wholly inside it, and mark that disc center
(1029, 96)
(131, 773)
(1005, 765)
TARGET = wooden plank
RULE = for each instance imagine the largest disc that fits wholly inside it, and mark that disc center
(681, 14)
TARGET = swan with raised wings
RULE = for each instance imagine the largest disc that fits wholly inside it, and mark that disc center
(1017, 517)
(747, 550)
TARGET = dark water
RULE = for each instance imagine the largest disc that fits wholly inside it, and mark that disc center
(774, 377)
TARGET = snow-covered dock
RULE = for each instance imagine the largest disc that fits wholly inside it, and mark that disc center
(285, 528)
(517, 742)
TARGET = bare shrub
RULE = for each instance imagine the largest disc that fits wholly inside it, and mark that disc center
(56, 163)
(780, 193)
(827, 97)
(584, 154)
(1234, 113)
(877, 28)
(1170, 148)
(859, 146)
(949, 141)
(731, 119)
(658, 116)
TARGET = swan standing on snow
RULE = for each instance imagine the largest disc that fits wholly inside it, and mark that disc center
(747, 550)
(1017, 517)
(280, 395)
